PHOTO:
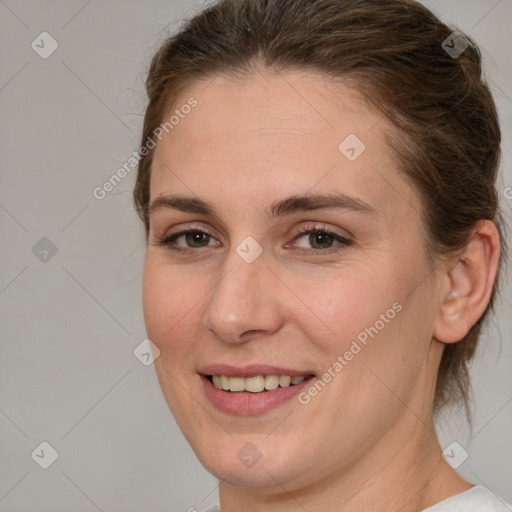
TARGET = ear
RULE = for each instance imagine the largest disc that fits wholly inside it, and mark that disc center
(468, 284)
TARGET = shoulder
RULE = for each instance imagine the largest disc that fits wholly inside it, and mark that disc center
(477, 499)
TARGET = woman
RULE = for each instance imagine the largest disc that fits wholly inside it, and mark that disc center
(323, 245)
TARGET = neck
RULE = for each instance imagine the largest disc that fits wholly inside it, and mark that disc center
(414, 478)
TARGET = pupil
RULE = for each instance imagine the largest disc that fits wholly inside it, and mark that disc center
(196, 237)
(320, 237)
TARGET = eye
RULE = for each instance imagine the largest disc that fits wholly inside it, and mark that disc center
(191, 238)
(321, 239)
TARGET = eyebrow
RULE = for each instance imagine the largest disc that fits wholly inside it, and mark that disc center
(287, 206)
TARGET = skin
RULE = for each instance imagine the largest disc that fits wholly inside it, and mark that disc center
(252, 141)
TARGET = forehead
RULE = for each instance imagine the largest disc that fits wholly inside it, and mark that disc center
(267, 104)
(267, 134)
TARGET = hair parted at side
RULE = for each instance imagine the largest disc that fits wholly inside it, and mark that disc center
(449, 143)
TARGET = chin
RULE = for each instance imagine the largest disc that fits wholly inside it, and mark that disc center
(250, 461)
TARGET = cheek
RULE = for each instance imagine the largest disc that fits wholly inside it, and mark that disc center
(343, 303)
(375, 324)
(171, 304)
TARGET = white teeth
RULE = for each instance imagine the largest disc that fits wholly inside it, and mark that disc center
(255, 384)
(236, 384)
(271, 382)
(224, 383)
(284, 381)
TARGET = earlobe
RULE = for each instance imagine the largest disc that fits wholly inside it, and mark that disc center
(469, 284)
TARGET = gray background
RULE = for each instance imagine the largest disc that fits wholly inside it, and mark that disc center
(69, 325)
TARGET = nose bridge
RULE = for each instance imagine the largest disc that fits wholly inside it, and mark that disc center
(240, 299)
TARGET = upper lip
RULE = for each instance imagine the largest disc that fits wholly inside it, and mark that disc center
(250, 371)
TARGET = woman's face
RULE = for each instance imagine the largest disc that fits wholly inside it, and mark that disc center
(252, 171)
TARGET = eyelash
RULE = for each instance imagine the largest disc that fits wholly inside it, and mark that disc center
(315, 229)
(168, 241)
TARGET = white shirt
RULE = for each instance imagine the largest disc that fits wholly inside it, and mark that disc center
(477, 499)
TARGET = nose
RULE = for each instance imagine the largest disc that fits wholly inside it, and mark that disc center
(244, 302)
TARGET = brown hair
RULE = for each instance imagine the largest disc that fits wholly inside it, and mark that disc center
(392, 52)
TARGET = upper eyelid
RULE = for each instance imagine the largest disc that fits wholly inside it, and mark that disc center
(322, 227)
(300, 231)
(341, 239)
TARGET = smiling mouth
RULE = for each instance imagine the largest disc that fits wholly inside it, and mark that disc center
(257, 383)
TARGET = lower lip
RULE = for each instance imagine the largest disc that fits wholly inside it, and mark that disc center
(251, 404)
